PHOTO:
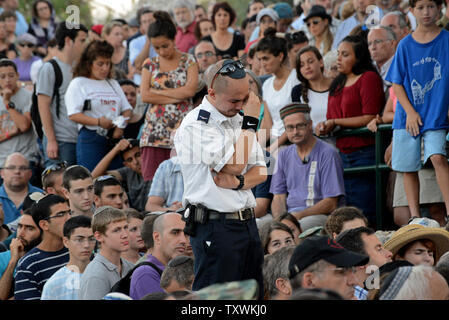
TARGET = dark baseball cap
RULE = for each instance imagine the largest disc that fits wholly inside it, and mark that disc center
(317, 248)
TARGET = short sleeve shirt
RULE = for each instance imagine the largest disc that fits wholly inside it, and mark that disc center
(106, 99)
(204, 141)
(423, 69)
(65, 129)
(364, 97)
(100, 276)
(306, 184)
(24, 142)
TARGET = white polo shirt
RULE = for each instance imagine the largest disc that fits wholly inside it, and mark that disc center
(204, 141)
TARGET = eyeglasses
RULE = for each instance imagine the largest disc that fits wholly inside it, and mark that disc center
(298, 126)
(59, 214)
(81, 240)
(178, 261)
(130, 159)
(227, 70)
(14, 168)
(315, 22)
(29, 45)
(206, 54)
(53, 168)
(376, 42)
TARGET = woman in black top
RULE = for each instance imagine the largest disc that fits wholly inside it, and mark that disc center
(227, 44)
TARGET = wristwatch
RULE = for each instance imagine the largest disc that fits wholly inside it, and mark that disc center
(242, 182)
(10, 105)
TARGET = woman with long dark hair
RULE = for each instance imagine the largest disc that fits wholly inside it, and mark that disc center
(169, 81)
(43, 23)
(355, 97)
(273, 55)
(314, 86)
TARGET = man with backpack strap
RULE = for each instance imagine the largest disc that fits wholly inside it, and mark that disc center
(60, 133)
(169, 242)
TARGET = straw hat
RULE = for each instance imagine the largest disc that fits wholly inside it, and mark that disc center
(412, 232)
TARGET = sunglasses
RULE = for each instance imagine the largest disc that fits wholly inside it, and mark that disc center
(29, 45)
(315, 22)
(54, 168)
(178, 261)
(227, 70)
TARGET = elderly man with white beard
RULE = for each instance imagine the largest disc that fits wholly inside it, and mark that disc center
(184, 13)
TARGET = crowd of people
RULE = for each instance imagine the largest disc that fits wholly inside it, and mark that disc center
(180, 155)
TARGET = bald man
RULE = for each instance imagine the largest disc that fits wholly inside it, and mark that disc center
(220, 162)
(16, 174)
(169, 242)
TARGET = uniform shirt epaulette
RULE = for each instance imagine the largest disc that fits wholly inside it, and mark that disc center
(203, 115)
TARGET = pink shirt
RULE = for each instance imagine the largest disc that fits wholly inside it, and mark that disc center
(185, 40)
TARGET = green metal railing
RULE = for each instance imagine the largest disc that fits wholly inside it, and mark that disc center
(378, 168)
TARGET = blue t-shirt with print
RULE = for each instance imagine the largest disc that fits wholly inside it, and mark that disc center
(423, 70)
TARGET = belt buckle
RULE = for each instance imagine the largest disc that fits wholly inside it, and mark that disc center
(245, 214)
(240, 214)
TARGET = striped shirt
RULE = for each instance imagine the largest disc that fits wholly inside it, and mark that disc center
(34, 269)
(64, 284)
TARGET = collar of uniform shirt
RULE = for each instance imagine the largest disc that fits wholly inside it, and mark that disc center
(215, 114)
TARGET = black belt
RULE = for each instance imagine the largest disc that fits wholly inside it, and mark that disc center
(242, 215)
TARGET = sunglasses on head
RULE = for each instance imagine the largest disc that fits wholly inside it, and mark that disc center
(29, 45)
(53, 168)
(227, 70)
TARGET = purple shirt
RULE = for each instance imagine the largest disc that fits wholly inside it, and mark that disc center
(308, 183)
(146, 279)
(24, 67)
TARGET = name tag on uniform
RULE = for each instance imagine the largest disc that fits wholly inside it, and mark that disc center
(203, 115)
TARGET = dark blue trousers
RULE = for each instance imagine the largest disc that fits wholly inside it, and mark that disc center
(360, 188)
(227, 250)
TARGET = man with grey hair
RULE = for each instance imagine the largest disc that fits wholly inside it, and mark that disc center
(205, 55)
(318, 184)
(382, 47)
(169, 242)
(319, 262)
(397, 21)
(414, 283)
(16, 174)
(184, 14)
(275, 274)
(178, 274)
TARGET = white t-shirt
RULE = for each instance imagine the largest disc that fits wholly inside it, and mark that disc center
(106, 96)
(318, 105)
(277, 99)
